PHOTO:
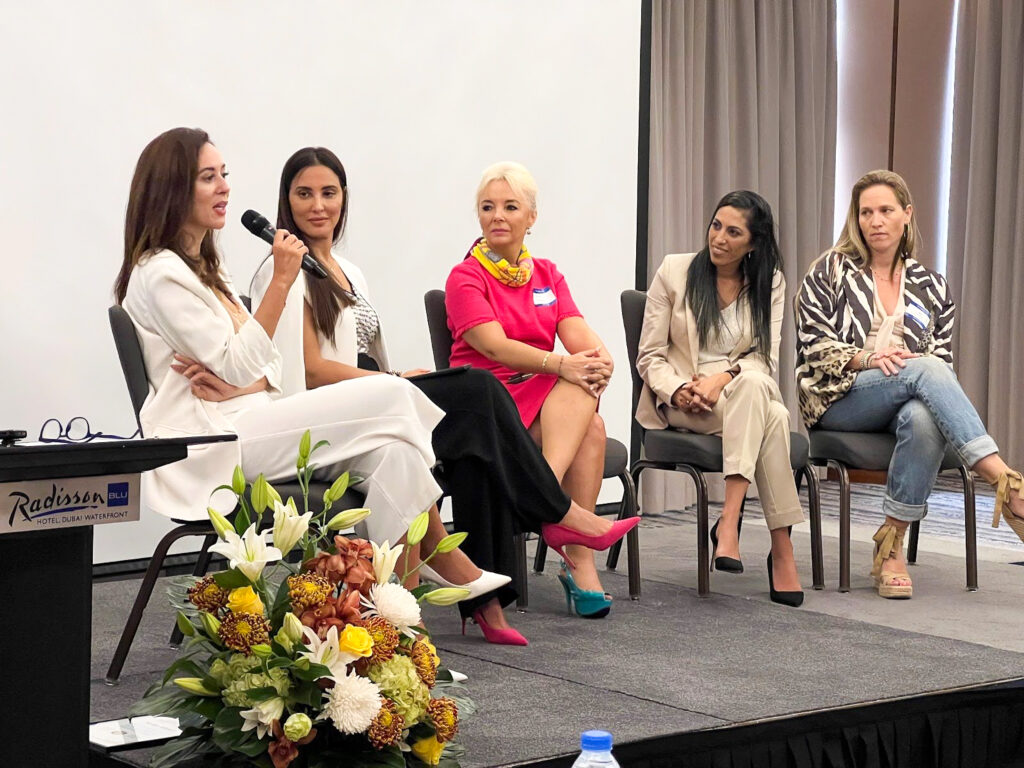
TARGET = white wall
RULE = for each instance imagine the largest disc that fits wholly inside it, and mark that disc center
(415, 97)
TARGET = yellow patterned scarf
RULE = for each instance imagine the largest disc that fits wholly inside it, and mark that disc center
(515, 276)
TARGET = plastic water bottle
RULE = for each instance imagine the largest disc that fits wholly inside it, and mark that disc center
(596, 751)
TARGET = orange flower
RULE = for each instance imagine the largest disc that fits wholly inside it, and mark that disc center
(352, 563)
(333, 612)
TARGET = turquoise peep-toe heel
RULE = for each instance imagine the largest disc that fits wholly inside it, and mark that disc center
(589, 604)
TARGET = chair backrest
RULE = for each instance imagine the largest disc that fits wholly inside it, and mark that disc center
(437, 324)
(129, 352)
(246, 301)
(633, 303)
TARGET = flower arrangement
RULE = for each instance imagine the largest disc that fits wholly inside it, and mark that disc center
(321, 663)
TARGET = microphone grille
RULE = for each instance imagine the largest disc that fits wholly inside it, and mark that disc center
(254, 222)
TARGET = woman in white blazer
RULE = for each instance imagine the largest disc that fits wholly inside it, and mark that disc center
(499, 482)
(708, 348)
(189, 320)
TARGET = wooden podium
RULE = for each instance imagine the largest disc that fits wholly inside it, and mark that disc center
(46, 582)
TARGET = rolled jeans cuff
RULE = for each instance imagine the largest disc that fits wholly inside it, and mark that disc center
(908, 513)
(977, 449)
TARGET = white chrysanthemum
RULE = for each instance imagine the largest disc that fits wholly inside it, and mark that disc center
(352, 703)
(396, 604)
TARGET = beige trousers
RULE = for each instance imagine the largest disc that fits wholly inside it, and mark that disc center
(754, 425)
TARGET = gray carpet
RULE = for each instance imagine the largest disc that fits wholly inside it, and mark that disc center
(671, 662)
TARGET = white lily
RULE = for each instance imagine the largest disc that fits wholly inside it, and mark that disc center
(262, 716)
(289, 526)
(384, 558)
(327, 652)
(248, 552)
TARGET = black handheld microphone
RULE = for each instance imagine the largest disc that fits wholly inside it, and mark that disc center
(260, 227)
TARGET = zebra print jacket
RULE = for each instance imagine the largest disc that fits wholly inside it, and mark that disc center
(834, 307)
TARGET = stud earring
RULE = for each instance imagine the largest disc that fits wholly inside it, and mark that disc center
(529, 231)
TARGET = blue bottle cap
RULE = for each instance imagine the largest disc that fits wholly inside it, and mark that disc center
(596, 741)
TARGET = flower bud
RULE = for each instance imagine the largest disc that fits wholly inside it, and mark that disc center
(259, 496)
(347, 519)
(304, 446)
(210, 626)
(238, 480)
(297, 726)
(185, 625)
(418, 529)
(292, 627)
(262, 650)
(445, 595)
(450, 542)
(220, 523)
(194, 685)
(337, 489)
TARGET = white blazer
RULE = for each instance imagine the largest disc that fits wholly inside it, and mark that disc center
(288, 335)
(174, 312)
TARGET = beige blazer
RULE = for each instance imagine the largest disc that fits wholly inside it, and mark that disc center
(669, 349)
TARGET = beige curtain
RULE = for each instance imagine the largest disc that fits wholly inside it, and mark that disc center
(985, 262)
(743, 96)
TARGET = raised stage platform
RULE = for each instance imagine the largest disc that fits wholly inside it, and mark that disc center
(729, 680)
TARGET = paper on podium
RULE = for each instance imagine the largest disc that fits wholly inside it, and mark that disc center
(131, 733)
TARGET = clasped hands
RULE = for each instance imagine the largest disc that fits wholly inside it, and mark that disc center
(890, 360)
(208, 386)
(701, 393)
(591, 370)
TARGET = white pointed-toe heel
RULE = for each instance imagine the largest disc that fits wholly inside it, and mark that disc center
(481, 585)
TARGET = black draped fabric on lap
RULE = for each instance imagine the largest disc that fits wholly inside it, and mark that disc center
(498, 480)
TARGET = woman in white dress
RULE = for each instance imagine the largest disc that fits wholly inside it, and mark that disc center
(189, 320)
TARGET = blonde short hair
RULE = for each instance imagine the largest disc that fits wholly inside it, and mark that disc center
(851, 239)
(516, 176)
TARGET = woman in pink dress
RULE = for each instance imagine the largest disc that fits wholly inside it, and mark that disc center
(505, 309)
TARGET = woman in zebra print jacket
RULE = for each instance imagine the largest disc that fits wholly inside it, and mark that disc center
(874, 332)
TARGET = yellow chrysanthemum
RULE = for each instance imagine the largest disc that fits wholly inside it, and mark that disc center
(386, 728)
(307, 590)
(245, 600)
(241, 631)
(423, 658)
(207, 596)
(385, 638)
(444, 714)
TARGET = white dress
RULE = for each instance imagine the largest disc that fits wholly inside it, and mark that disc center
(374, 426)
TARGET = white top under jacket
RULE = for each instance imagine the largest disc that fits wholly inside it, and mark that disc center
(288, 336)
(174, 312)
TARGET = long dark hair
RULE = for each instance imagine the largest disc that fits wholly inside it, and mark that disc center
(326, 297)
(758, 269)
(159, 204)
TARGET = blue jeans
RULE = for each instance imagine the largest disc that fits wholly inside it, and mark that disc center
(925, 407)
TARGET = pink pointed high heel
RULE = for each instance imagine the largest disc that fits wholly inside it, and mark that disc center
(558, 536)
(496, 636)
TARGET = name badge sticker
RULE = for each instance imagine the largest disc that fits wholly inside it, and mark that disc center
(917, 313)
(543, 297)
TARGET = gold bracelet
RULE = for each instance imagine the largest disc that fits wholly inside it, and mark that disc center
(544, 363)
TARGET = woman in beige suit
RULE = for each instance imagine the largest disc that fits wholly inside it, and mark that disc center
(709, 345)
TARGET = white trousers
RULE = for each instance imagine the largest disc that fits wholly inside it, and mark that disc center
(378, 428)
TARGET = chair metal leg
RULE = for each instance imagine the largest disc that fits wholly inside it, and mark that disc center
(628, 507)
(519, 573)
(202, 566)
(703, 550)
(632, 538)
(844, 524)
(814, 507)
(156, 563)
(970, 529)
(915, 533)
(540, 555)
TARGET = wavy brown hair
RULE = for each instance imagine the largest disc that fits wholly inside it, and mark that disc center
(327, 298)
(159, 204)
